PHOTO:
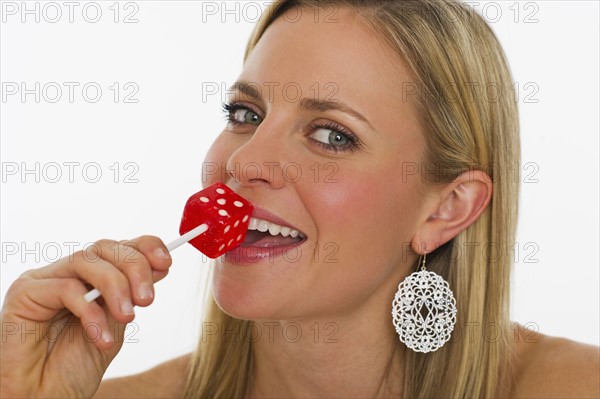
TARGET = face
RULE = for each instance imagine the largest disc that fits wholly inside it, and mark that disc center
(318, 140)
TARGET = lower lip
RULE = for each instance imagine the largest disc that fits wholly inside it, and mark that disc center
(252, 255)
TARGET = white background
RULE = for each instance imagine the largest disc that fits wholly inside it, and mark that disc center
(178, 47)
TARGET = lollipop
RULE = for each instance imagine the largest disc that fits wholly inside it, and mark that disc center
(215, 220)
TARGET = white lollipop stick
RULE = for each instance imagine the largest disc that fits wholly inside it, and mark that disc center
(190, 235)
(179, 241)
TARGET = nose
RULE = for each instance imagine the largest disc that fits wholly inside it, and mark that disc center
(259, 161)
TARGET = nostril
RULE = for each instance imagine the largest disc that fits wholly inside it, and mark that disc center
(257, 180)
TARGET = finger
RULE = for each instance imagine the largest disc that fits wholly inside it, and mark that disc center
(121, 273)
(96, 271)
(32, 306)
(144, 260)
(38, 301)
(158, 275)
(133, 264)
(155, 250)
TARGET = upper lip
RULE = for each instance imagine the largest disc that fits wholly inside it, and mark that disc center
(261, 213)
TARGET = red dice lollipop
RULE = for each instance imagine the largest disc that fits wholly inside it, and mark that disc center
(215, 220)
(226, 215)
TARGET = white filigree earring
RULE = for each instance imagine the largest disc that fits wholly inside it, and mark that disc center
(424, 311)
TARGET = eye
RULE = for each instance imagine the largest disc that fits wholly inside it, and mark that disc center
(245, 116)
(239, 114)
(332, 137)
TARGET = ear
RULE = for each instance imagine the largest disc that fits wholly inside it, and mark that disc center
(452, 210)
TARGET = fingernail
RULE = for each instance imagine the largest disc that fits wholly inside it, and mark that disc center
(107, 336)
(127, 307)
(145, 291)
(161, 253)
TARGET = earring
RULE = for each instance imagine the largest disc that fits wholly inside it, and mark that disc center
(424, 311)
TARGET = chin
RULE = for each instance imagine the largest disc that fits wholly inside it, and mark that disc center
(257, 289)
(242, 300)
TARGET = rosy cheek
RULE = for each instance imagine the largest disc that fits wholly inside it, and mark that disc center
(340, 203)
(360, 202)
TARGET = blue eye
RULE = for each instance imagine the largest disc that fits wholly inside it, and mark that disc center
(241, 114)
(246, 116)
(329, 136)
(332, 137)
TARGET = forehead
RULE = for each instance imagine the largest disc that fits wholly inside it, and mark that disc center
(339, 56)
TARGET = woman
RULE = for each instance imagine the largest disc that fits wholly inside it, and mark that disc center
(365, 135)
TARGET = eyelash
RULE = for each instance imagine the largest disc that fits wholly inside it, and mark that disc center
(354, 143)
(230, 108)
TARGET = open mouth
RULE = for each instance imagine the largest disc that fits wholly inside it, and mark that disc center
(267, 234)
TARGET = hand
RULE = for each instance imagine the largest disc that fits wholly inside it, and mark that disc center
(54, 343)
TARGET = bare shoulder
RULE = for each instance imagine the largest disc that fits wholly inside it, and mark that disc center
(166, 380)
(552, 367)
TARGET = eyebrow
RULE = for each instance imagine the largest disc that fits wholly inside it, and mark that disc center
(308, 104)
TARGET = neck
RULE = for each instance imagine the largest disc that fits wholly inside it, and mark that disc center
(355, 355)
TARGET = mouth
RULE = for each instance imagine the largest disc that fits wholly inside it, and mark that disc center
(269, 237)
(263, 233)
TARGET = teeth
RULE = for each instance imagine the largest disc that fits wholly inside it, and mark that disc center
(263, 226)
(274, 229)
(253, 224)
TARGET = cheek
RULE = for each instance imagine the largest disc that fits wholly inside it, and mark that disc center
(364, 213)
(362, 223)
(360, 196)
(215, 162)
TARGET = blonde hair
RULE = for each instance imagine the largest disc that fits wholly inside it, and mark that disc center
(455, 59)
